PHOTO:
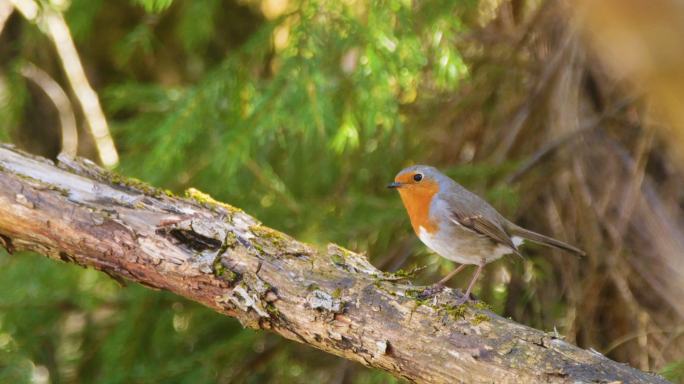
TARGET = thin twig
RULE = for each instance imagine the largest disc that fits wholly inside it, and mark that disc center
(59, 98)
(673, 334)
(58, 31)
(526, 109)
(550, 147)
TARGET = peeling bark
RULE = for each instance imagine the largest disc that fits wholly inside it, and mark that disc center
(331, 299)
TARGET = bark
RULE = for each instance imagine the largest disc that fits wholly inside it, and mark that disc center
(331, 299)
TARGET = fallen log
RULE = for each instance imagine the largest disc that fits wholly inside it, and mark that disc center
(331, 299)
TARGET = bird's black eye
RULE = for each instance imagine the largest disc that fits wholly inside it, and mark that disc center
(417, 177)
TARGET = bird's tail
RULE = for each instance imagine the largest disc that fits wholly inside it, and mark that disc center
(543, 240)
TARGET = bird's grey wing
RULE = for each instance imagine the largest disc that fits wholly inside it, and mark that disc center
(484, 226)
(471, 211)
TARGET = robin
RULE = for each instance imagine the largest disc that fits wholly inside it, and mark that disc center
(459, 225)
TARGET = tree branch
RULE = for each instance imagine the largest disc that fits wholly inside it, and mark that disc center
(331, 299)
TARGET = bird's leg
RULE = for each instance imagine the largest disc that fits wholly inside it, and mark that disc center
(450, 275)
(466, 296)
(439, 286)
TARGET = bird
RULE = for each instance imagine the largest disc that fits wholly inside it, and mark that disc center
(459, 225)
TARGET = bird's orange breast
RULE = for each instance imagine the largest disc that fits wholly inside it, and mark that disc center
(417, 199)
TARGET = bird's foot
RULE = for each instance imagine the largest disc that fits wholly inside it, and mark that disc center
(431, 291)
(463, 299)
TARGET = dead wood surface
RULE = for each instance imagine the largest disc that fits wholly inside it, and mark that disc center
(331, 299)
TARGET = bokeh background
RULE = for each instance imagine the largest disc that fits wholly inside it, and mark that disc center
(568, 116)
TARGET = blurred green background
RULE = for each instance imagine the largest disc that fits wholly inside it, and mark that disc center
(300, 112)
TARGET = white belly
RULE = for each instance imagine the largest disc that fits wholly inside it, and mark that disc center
(464, 246)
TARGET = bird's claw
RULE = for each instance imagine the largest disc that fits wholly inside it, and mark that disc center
(431, 291)
(465, 299)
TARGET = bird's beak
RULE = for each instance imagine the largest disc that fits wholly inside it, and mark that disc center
(394, 184)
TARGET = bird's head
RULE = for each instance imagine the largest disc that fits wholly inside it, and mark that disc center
(417, 179)
(417, 186)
